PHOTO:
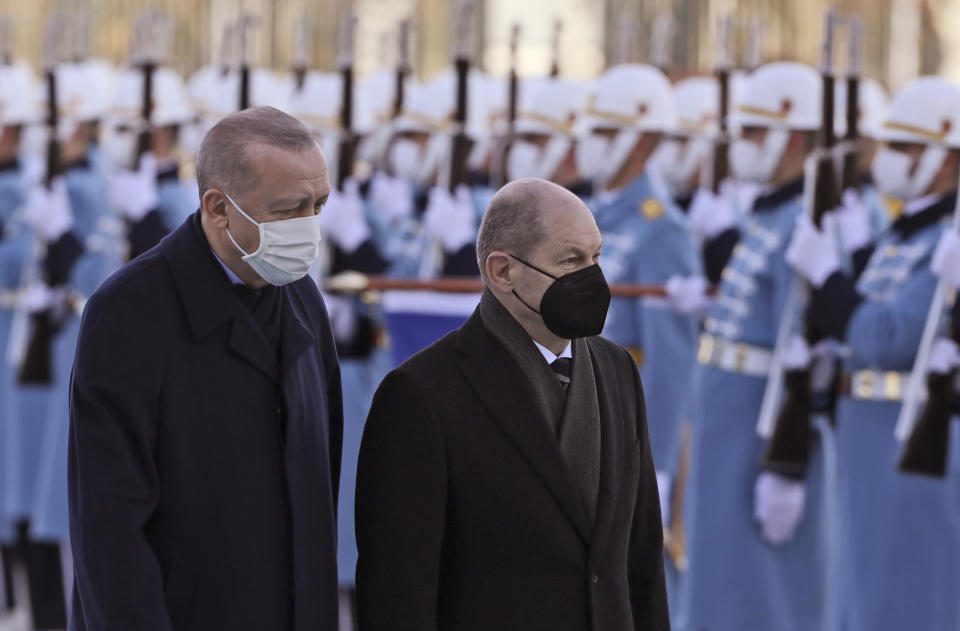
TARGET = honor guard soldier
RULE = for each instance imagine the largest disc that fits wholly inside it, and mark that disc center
(18, 109)
(898, 538)
(545, 137)
(629, 111)
(742, 578)
(142, 184)
(439, 240)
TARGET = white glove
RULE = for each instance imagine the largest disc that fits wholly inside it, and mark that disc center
(944, 356)
(663, 486)
(852, 219)
(343, 218)
(711, 214)
(778, 507)
(450, 219)
(813, 252)
(37, 297)
(946, 258)
(392, 196)
(134, 193)
(741, 193)
(687, 294)
(48, 211)
(797, 354)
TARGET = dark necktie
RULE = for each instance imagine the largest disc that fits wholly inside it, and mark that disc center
(562, 368)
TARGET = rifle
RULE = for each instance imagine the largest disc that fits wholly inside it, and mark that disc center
(720, 166)
(661, 40)
(146, 59)
(301, 50)
(789, 432)
(461, 142)
(929, 430)
(403, 67)
(348, 141)
(850, 154)
(36, 368)
(928, 440)
(754, 56)
(244, 24)
(555, 48)
(6, 46)
(512, 96)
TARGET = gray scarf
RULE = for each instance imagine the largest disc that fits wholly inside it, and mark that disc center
(574, 416)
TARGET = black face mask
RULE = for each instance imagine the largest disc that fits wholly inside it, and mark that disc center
(575, 304)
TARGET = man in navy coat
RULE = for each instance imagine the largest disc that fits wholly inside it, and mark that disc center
(206, 411)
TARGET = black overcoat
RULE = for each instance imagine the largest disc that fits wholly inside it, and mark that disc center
(203, 469)
(467, 519)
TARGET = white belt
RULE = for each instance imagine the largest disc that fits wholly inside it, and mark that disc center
(875, 385)
(735, 357)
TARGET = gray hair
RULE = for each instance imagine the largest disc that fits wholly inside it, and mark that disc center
(513, 223)
(222, 160)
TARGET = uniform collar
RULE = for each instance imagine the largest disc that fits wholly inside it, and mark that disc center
(937, 208)
(775, 198)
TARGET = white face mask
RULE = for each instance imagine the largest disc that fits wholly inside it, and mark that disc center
(288, 247)
(119, 149)
(891, 172)
(526, 159)
(416, 163)
(678, 163)
(756, 162)
(601, 159)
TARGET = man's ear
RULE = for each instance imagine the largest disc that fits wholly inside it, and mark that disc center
(214, 204)
(498, 271)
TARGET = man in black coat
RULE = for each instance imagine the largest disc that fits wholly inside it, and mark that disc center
(206, 412)
(505, 478)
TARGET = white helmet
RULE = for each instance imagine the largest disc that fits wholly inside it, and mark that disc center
(926, 112)
(373, 113)
(678, 162)
(782, 97)
(632, 99)
(317, 105)
(20, 98)
(430, 109)
(873, 103)
(547, 107)
(171, 103)
(171, 106)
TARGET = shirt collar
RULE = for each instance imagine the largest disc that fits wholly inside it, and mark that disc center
(234, 279)
(548, 354)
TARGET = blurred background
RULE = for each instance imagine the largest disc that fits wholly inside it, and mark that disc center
(904, 38)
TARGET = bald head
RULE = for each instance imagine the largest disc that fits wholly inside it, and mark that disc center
(520, 216)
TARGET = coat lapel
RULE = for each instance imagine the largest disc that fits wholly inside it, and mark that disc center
(611, 443)
(297, 336)
(500, 385)
(208, 298)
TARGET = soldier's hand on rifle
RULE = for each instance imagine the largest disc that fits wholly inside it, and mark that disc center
(133, 194)
(946, 259)
(711, 214)
(37, 297)
(392, 196)
(343, 218)
(450, 219)
(687, 294)
(853, 222)
(47, 211)
(944, 356)
(778, 507)
(813, 252)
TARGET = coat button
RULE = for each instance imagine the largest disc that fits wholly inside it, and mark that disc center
(595, 579)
